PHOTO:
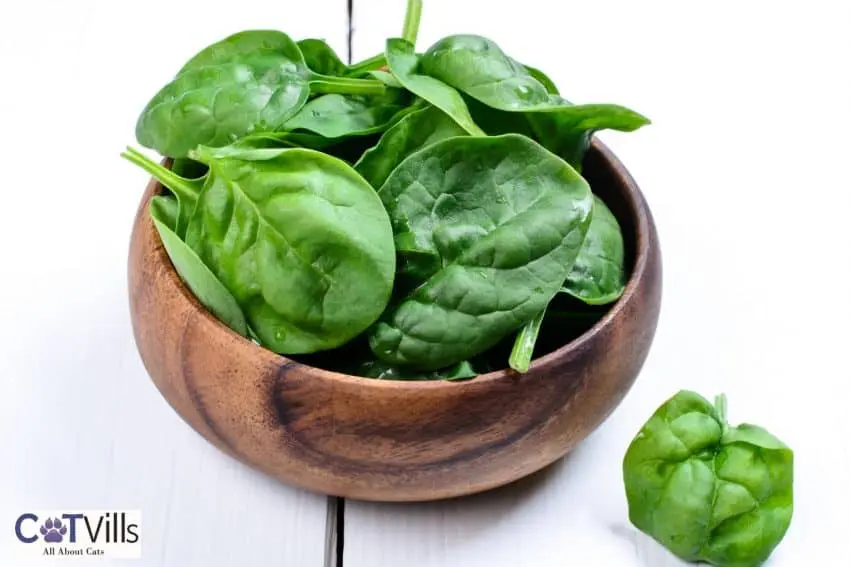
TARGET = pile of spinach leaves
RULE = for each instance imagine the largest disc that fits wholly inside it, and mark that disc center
(416, 215)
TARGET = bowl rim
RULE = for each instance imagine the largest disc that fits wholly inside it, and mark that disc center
(637, 208)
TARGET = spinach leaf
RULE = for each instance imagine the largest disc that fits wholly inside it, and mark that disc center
(387, 78)
(335, 116)
(503, 220)
(597, 278)
(299, 238)
(598, 274)
(568, 131)
(404, 62)
(542, 78)
(321, 58)
(413, 132)
(209, 291)
(382, 370)
(705, 490)
(186, 190)
(479, 68)
(164, 209)
(249, 81)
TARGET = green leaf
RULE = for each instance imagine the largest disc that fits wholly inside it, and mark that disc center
(164, 209)
(542, 78)
(705, 491)
(335, 116)
(505, 220)
(386, 78)
(567, 130)
(218, 103)
(598, 274)
(403, 63)
(383, 371)
(321, 58)
(250, 81)
(413, 132)
(301, 241)
(209, 291)
(186, 190)
(479, 68)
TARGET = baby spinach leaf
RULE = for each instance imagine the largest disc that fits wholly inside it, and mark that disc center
(598, 274)
(219, 103)
(335, 116)
(705, 490)
(321, 58)
(542, 78)
(164, 209)
(209, 291)
(478, 67)
(387, 78)
(299, 238)
(413, 132)
(504, 220)
(249, 81)
(186, 190)
(382, 370)
(568, 131)
(404, 62)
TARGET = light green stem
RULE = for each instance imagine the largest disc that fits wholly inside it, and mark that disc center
(523, 350)
(411, 21)
(324, 84)
(720, 406)
(186, 190)
(374, 62)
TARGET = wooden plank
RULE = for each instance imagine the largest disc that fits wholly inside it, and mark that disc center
(81, 425)
(743, 167)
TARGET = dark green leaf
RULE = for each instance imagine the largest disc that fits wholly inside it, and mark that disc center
(321, 58)
(542, 78)
(568, 130)
(335, 116)
(404, 63)
(598, 275)
(413, 132)
(382, 370)
(250, 81)
(505, 218)
(479, 68)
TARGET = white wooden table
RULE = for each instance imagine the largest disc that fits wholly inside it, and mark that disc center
(744, 166)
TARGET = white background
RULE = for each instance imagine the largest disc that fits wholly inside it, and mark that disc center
(744, 167)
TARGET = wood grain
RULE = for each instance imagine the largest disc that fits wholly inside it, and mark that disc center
(384, 440)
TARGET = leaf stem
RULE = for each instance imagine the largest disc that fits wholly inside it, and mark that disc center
(187, 190)
(720, 406)
(523, 350)
(346, 85)
(411, 21)
(374, 62)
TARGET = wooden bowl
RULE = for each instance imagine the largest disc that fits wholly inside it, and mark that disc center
(390, 440)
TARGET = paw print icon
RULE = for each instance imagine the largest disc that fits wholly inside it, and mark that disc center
(53, 530)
